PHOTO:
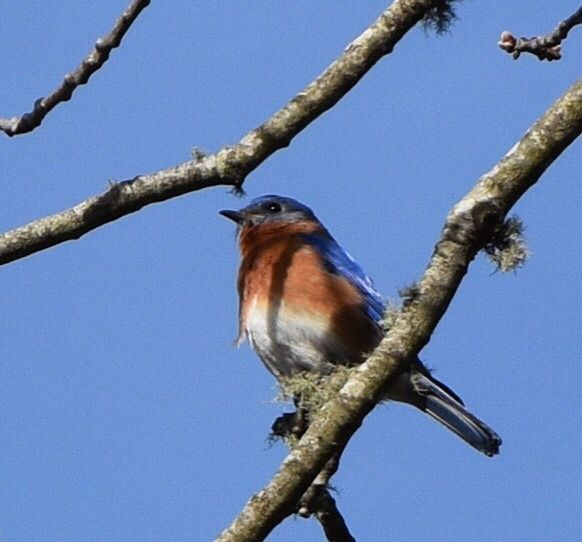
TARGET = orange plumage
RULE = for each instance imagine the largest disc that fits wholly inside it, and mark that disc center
(281, 275)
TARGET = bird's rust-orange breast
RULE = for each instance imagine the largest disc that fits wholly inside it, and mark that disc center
(282, 274)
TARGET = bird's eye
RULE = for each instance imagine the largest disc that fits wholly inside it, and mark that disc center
(273, 208)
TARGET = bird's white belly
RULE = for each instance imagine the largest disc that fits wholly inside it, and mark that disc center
(290, 340)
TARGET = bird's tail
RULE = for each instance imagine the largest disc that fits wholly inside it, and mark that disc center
(447, 408)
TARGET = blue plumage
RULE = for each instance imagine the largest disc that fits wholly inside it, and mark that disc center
(339, 262)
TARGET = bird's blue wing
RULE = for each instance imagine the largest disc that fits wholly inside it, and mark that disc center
(339, 262)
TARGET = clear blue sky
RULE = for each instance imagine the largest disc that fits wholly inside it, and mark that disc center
(126, 413)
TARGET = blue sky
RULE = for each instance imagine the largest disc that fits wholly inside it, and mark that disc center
(126, 413)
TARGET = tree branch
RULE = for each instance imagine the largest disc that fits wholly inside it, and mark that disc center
(230, 165)
(91, 63)
(331, 520)
(467, 228)
(317, 500)
(544, 47)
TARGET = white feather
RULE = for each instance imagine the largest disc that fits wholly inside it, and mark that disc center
(288, 340)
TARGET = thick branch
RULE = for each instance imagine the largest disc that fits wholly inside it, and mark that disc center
(230, 165)
(91, 63)
(544, 47)
(467, 228)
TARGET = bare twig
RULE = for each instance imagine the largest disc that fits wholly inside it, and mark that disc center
(467, 229)
(544, 47)
(91, 63)
(231, 165)
(331, 519)
(318, 502)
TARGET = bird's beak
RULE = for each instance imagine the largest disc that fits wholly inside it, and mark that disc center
(235, 216)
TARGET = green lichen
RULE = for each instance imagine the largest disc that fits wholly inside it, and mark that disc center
(508, 249)
(310, 391)
(440, 17)
(390, 314)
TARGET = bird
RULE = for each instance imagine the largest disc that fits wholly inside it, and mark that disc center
(305, 305)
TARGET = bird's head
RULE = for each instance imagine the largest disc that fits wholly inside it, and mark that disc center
(270, 210)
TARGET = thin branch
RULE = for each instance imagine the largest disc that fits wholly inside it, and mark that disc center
(467, 228)
(91, 63)
(331, 520)
(308, 504)
(230, 165)
(317, 500)
(544, 47)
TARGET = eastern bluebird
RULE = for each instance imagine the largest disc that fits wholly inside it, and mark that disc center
(306, 305)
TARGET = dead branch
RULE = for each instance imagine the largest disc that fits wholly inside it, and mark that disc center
(91, 63)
